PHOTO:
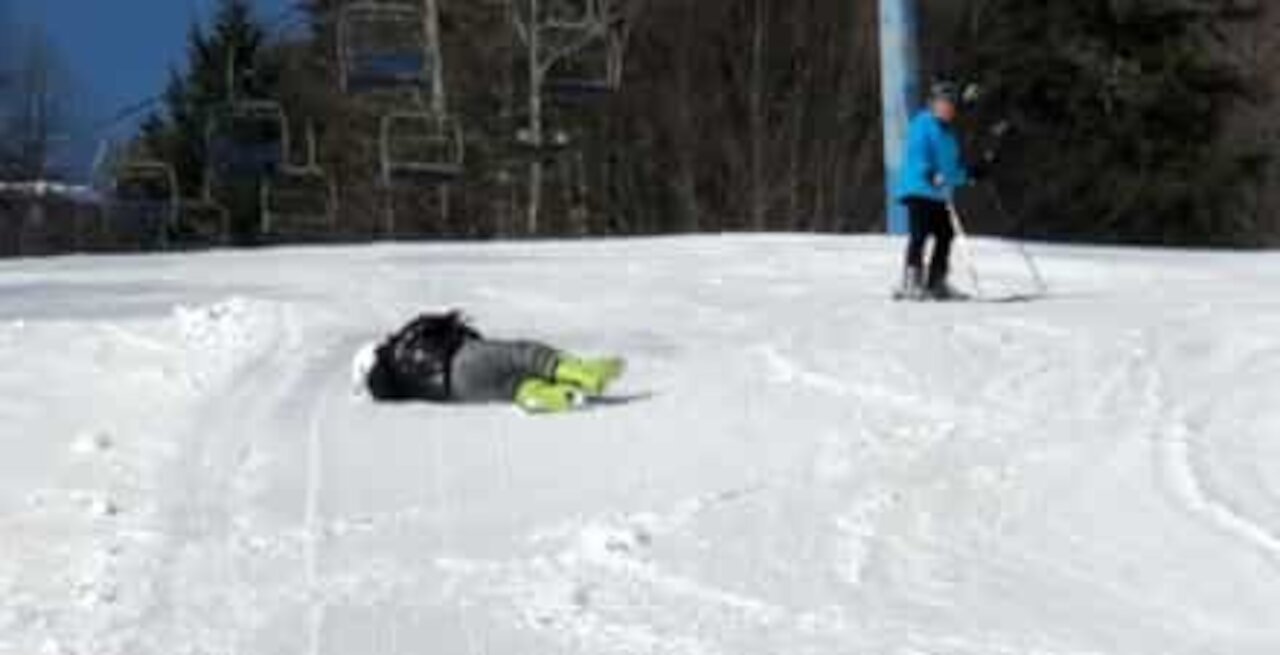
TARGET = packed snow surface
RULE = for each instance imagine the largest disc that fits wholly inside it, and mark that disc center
(794, 465)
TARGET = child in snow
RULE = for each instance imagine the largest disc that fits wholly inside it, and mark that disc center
(933, 168)
(442, 358)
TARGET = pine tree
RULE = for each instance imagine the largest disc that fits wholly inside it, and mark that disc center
(225, 61)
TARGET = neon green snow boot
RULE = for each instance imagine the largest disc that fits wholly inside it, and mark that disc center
(538, 396)
(592, 376)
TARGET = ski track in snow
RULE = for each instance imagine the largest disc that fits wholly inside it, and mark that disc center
(311, 519)
(1176, 448)
(817, 471)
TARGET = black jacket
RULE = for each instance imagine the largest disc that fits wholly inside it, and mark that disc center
(415, 363)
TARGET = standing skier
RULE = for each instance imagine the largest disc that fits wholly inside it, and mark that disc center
(932, 170)
(441, 358)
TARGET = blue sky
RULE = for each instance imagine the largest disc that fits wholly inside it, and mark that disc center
(120, 51)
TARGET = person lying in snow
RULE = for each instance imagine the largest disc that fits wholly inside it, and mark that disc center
(441, 358)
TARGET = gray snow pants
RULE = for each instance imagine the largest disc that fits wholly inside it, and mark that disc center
(492, 371)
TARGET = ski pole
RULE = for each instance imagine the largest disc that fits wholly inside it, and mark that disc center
(1042, 287)
(962, 241)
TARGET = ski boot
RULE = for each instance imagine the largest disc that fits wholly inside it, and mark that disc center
(943, 292)
(592, 376)
(913, 287)
(537, 396)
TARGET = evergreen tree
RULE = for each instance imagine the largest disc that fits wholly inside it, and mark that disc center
(225, 61)
(1122, 104)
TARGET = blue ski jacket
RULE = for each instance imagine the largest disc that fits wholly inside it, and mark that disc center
(932, 151)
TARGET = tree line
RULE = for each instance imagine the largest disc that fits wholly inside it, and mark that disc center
(1137, 121)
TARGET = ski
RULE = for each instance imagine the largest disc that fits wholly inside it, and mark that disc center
(900, 295)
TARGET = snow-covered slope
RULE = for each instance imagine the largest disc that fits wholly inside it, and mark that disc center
(801, 466)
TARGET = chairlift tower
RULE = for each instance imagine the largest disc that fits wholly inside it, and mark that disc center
(900, 94)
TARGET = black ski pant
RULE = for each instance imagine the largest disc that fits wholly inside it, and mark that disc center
(930, 218)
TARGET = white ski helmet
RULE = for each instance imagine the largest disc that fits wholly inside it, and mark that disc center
(366, 358)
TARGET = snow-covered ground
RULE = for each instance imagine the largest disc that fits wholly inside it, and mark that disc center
(800, 467)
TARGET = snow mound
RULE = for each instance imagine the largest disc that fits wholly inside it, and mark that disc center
(219, 338)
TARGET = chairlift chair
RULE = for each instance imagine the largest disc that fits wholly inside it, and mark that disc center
(383, 46)
(419, 146)
(203, 221)
(300, 200)
(594, 71)
(584, 77)
(247, 138)
(418, 149)
(144, 202)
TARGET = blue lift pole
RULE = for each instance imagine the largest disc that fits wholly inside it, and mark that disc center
(900, 92)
